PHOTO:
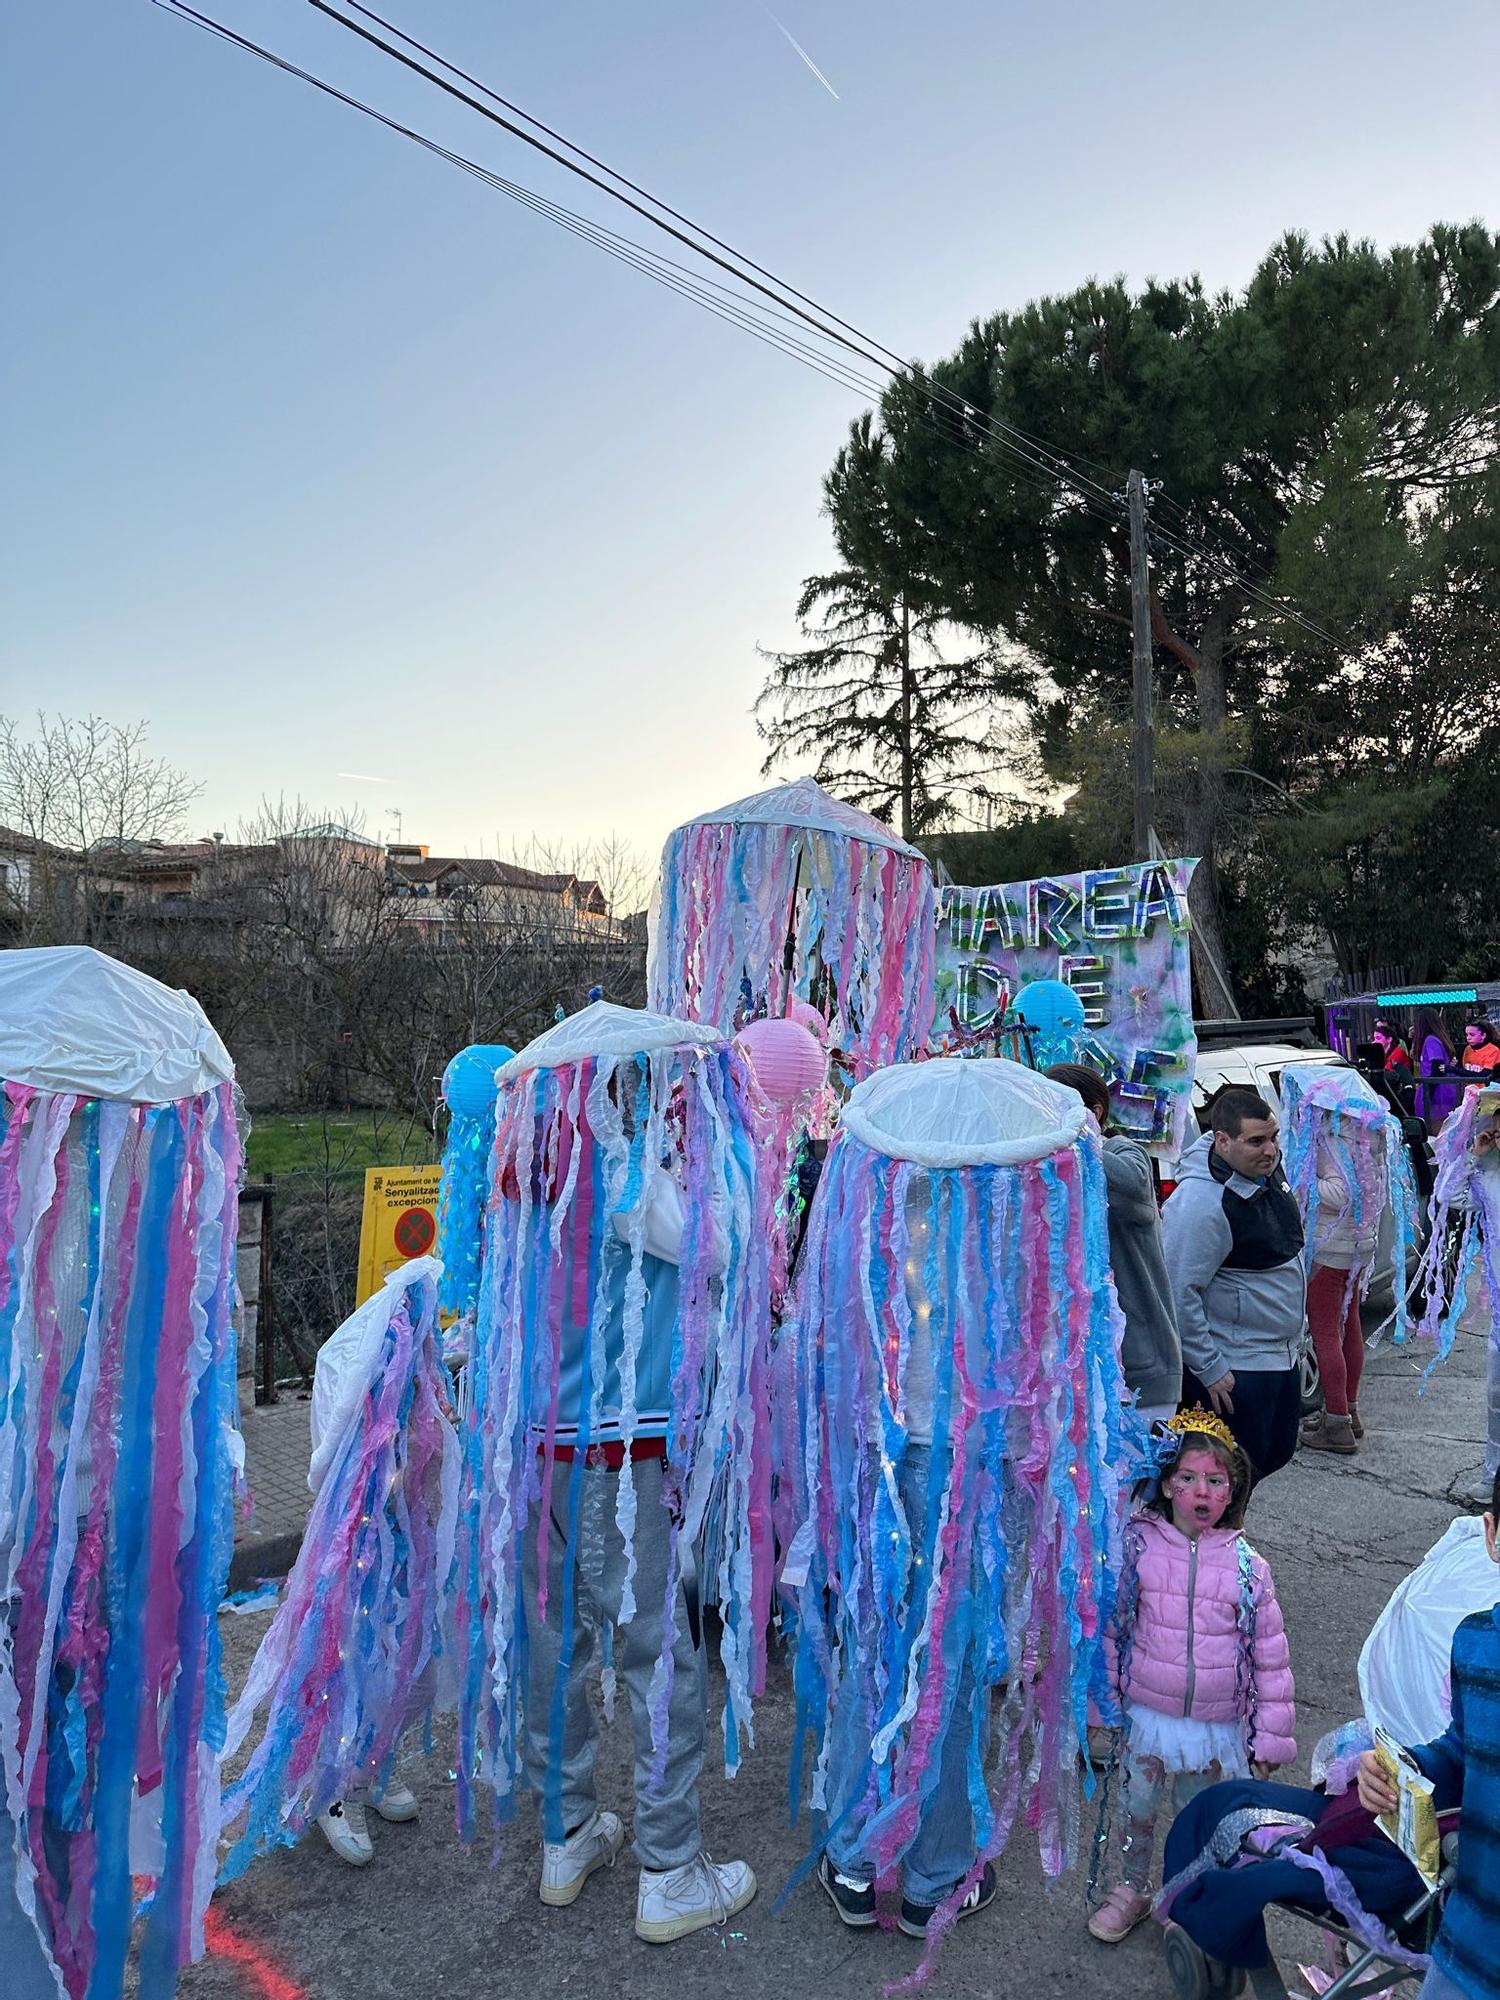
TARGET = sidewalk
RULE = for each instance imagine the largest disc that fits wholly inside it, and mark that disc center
(277, 1448)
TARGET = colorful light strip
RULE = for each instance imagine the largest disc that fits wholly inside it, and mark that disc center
(1442, 996)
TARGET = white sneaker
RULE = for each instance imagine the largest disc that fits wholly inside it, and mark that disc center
(347, 1832)
(674, 1902)
(397, 1803)
(568, 1864)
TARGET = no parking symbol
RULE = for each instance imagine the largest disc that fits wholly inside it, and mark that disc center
(399, 1222)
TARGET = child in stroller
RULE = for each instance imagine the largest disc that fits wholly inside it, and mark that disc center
(1242, 1847)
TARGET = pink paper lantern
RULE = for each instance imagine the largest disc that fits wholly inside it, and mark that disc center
(786, 1057)
(807, 1016)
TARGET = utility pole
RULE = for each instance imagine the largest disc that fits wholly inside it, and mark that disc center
(907, 774)
(1143, 744)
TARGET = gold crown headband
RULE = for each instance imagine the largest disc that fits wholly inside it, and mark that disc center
(1201, 1423)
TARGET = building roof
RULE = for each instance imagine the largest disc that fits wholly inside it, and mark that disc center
(487, 874)
(13, 842)
(330, 830)
(152, 857)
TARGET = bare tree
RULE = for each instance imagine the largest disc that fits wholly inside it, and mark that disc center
(82, 793)
(497, 953)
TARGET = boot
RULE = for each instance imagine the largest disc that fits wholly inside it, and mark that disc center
(1358, 1427)
(1327, 1432)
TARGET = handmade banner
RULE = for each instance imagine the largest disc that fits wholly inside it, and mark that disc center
(1119, 938)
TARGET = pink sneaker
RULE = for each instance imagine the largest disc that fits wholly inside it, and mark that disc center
(1118, 1915)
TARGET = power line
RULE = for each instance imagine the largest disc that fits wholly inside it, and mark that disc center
(873, 350)
(749, 314)
(951, 407)
(607, 240)
(950, 416)
(1223, 567)
(748, 272)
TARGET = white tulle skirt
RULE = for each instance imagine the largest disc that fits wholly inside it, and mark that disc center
(1185, 1744)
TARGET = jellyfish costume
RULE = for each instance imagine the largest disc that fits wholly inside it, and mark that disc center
(1346, 1162)
(1460, 1275)
(469, 1091)
(119, 1455)
(952, 1434)
(792, 895)
(361, 1647)
(617, 1394)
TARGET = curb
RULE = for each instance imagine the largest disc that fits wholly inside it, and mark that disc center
(267, 1556)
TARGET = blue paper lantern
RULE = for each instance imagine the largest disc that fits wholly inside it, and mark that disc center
(470, 1094)
(1054, 1013)
(469, 1080)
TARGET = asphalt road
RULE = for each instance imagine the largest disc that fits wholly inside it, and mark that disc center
(429, 1918)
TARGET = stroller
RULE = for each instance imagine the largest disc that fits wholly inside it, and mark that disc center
(1197, 1975)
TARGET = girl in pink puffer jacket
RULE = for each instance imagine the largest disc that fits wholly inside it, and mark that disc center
(1200, 1660)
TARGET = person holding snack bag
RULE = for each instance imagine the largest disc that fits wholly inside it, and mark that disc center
(1463, 1766)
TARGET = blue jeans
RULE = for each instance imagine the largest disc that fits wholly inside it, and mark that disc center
(945, 1847)
(27, 1974)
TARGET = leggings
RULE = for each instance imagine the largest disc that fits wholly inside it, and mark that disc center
(1337, 1335)
(1146, 1784)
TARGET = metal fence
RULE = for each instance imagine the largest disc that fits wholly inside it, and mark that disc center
(298, 1270)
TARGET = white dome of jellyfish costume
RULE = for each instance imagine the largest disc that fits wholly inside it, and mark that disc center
(597, 1120)
(361, 1646)
(1404, 1666)
(794, 895)
(956, 1266)
(119, 1453)
(1405, 1683)
(1337, 1129)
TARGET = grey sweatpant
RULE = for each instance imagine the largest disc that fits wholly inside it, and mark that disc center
(28, 1975)
(560, 1730)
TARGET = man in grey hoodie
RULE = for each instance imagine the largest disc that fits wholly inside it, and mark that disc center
(1150, 1352)
(1233, 1242)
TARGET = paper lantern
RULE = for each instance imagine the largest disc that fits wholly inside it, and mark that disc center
(469, 1080)
(787, 1060)
(803, 1012)
(1054, 1013)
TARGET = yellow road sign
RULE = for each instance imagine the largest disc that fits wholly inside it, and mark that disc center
(399, 1222)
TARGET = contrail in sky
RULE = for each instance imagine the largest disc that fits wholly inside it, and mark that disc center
(806, 57)
(364, 778)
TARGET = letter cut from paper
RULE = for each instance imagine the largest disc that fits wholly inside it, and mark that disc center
(1119, 938)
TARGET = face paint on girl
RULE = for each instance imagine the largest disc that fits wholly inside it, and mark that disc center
(1199, 1488)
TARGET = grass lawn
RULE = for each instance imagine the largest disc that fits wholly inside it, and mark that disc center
(338, 1142)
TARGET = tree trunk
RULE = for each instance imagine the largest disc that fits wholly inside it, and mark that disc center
(906, 704)
(1205, 815)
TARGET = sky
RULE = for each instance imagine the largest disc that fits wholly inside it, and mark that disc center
(327, 459)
